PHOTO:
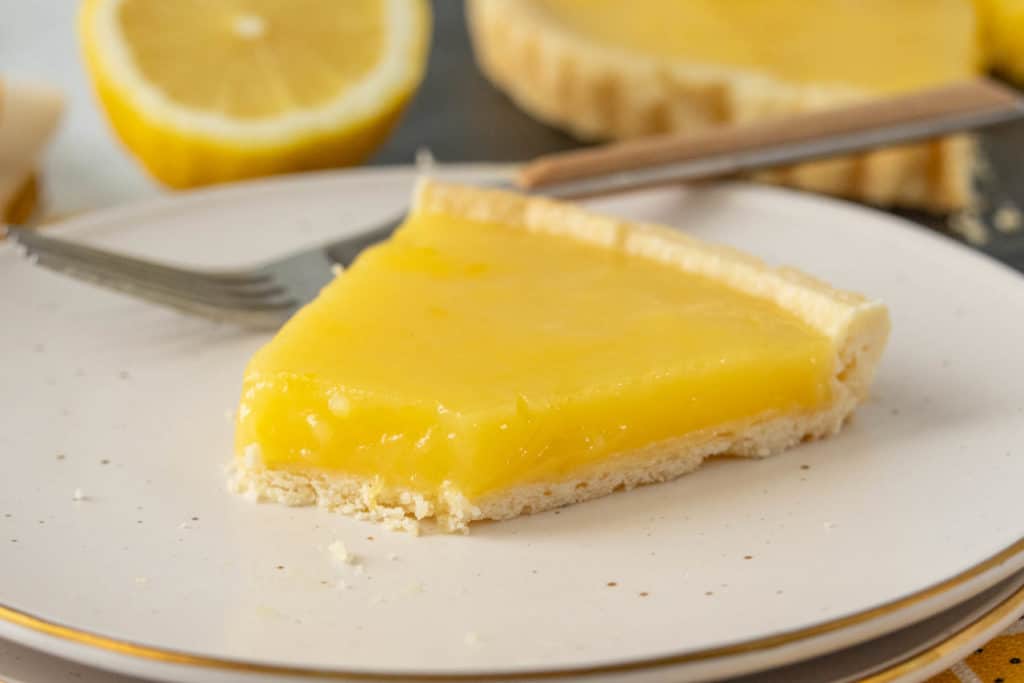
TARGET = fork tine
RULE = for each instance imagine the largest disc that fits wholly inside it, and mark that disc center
(113, 266)
(215, 301)
(257, 283)
(266, 318)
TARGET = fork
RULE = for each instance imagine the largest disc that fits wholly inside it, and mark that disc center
(266, 296)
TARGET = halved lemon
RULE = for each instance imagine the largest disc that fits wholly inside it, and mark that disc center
(206, 91)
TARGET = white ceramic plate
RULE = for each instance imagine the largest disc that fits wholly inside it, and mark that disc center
(912, 509)
(910, 654)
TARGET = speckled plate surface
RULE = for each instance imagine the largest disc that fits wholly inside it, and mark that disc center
(740, 566)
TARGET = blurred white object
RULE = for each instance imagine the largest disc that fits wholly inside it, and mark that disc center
(29, 113)
(84, 167)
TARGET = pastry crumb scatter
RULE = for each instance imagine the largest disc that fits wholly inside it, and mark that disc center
(613, 584)
(340, 553)
(253, 455)
(1007, 219)
(424, 160)
(78, 495)
(968, 226)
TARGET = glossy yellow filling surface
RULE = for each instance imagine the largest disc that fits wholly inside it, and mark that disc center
(882, 45)
(486, 356)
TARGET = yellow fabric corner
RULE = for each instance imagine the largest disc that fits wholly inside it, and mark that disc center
(999, 661)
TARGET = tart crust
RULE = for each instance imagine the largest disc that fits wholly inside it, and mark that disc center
(598, 92)
(857, 327)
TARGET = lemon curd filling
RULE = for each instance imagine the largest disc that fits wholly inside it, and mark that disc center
(879, 45)
(477, 356)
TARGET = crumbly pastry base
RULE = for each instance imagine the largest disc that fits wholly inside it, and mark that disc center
(405, 510)
(600, 92)
(857, 327)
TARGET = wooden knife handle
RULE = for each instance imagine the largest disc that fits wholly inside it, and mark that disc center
(977, 96)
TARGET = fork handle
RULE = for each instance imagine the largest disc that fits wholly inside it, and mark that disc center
(732, 149)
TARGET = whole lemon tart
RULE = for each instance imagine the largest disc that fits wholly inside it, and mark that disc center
(608, 69)
(503, 355)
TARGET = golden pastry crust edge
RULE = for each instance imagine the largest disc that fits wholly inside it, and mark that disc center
(601, 92)
(858, 327)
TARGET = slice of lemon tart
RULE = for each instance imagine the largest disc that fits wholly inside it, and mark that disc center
(503, 355)
(612, 69)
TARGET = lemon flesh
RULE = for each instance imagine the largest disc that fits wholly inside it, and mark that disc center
(206, 92)
(252, 59)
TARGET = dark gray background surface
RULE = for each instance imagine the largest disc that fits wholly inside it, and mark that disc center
(461, 117)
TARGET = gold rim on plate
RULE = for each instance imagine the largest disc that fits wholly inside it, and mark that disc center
(130, 649)
(1012, 606)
